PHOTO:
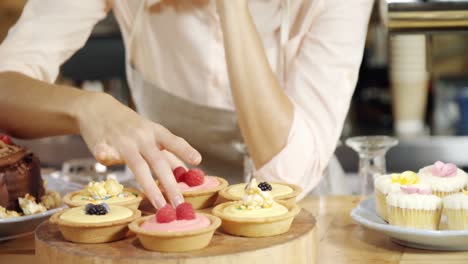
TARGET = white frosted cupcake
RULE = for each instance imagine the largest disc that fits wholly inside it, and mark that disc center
(414, 206)
(444, 178)
(386, 184)
(456, 210)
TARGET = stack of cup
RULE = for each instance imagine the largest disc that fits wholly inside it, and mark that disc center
(409, 80)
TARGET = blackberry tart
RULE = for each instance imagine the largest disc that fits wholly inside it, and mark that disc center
(95, 223)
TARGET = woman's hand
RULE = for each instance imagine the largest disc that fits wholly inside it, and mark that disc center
(116, 134)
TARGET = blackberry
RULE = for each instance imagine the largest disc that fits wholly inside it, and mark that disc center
(264, 186)
(97, 209)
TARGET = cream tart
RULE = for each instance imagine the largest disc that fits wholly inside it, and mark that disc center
(110, 192)
(95, 223)
(175, 230)
(280, 191)
(199, 190)
(256, 215)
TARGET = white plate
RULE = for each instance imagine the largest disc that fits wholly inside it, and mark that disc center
(366, 215)
(18, 226)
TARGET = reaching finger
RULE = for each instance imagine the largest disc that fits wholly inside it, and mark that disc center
(173, 160)
(177, 145)
(107, 155)
(142, 172)
(163, 171)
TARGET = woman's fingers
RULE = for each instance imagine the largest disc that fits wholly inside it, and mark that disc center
(160, 166)
(177, 145)
(142, 172)
(173, 160)
(107, 154)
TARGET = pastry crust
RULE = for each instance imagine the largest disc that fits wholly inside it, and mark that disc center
(204, 198)
(91, 233)
(133, 203)
(175, 241)
(256, 227)
(288, 199)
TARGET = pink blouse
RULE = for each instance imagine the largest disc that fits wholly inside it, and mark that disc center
(323, 53)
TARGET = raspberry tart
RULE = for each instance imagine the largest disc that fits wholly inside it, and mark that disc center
(198, 189)
(95, 223)
(284, 192)
(110, 192)
(256, 215)
(175, 230)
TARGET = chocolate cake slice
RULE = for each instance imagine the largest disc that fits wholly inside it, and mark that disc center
(19, 174)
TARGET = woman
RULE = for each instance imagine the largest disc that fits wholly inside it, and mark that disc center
(281, 71)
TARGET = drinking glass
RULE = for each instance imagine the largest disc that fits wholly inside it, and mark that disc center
(249, 167)
(371, 151)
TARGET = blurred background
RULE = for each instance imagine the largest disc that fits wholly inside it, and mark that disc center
(413, 85)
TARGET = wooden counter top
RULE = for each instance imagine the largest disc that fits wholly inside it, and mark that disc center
(341, 240)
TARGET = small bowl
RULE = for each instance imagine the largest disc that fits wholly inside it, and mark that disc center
(93, 233)
(133, 203)
(256, 227)
(175, 241)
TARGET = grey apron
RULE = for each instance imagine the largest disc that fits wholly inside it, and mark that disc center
(214, 132)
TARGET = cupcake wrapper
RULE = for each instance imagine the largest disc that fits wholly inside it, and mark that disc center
(381, 205)
(421, 219)
(443, 194)
(456, 219)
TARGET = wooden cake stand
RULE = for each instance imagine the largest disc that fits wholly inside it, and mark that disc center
(298, 246)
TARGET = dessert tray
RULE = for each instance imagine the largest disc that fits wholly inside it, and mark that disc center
(443, 240)
(51, 247)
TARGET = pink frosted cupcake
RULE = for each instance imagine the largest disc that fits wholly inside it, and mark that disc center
(444, 178)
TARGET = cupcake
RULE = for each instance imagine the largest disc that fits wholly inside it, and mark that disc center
(386, 184)
(95, 223)
(284, 192)
(110, 191)
(175, 230)
(444, 178)
(414, 206)
(456, 210)
(198, 189)
(256, 215)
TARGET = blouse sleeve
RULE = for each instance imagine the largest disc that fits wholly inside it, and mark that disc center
(47, 34)
(320, 83)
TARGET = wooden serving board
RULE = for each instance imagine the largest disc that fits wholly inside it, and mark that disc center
(298, 246)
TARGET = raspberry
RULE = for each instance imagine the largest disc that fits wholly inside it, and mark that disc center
(6, 139)
(166, 214)
(185, 212)
(194, 177)
(179, 173)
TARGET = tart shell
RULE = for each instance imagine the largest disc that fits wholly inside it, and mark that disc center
(92, 233)
(257, 227)
(175, 241)
(205, 198)
(133, 203)
(288, 199)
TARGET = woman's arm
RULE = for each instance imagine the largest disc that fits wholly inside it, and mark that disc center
(265, 111)
(49, 32)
